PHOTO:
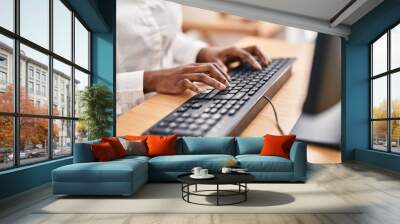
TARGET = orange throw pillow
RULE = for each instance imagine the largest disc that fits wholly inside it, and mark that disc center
(161, 145)
(116, 145)
(103, 152)
(277, 145)
(135, 138)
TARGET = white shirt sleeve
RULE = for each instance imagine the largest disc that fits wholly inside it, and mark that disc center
(129, 90)
(186, 48)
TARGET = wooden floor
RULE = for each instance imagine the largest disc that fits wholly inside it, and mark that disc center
(379, 190)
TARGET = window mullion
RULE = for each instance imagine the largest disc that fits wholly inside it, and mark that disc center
(50, 81)
(16, 69)
(389, 101)
(73, 82)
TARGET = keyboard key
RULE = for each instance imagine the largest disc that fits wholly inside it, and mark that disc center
(199, 121)
(223, 111)
(251, 93)
(236, 107)
(183, 126)
(196, 105)
(223, 97)
(232, 112)
(213, 111)
(211, 121)
(212, 94)
(239, 95)
(185, 115)
(193, 126)
(205, 116)
(173, 125)
(217, 116)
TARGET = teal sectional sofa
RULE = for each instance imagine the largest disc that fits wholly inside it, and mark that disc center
(125, 176)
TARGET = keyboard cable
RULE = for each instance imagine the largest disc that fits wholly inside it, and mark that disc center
(276, 116)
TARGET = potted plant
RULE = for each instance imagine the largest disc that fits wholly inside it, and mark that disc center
(96, 104)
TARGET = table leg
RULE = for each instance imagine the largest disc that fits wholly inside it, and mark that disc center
(245, 193)
(217, 194)
(195, 188)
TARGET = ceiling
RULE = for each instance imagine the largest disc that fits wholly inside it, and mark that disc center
(333, 17)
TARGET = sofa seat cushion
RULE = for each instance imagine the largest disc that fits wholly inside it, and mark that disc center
(185, 163)
(113, 171)
(257, 163)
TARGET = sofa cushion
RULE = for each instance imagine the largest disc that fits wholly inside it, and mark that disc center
(207, 145)
(159, 145)
(116, 145)
(249, 145)
(257, 163)
(185, 163)
(112, 171)
(103, 152)
(277, 145)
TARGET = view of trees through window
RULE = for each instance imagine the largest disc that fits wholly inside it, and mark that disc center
(385, 91)
(40, 84)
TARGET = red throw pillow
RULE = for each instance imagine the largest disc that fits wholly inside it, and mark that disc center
(277, 145)
(103, 152)
(116, 145)
(161, 145)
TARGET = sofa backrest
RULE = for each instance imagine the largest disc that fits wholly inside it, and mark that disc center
(249, 145)
(83, 152)
(206, 145)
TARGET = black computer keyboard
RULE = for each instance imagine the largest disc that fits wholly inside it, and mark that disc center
(226, 112)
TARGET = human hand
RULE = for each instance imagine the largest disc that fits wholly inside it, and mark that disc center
(225, 56)
(177, 80)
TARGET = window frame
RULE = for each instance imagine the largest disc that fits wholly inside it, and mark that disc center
(388, 74)
(16, 115)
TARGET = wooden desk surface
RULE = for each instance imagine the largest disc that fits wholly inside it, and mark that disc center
(288, 100)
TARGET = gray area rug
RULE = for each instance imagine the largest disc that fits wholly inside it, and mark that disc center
(166, 198)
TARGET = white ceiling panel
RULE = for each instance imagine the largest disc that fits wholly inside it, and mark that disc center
(333, 17)
(319, 9)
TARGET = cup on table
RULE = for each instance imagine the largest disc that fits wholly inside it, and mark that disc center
(196, 171)
(203, 172)
(226, 170)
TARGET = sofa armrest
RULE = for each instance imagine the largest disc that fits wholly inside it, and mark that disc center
(83, 152)
(298, 155)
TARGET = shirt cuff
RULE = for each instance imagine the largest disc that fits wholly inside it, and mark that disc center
(129, 90)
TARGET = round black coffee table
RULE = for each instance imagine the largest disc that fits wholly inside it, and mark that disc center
(238, 179)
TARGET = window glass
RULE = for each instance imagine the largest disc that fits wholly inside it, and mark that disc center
(379, 98)
(81, 45)
(34, 21)
(6, 142)
(379, 135)
(7, 14)
(395, 47)
(81, 82)
(39, 62)
(62, 138)
(33, 140)
(6, 74)
(62, 89)
(81, 131)
(395, 136)
(395, 94)
(62, 29)
(379, 56)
